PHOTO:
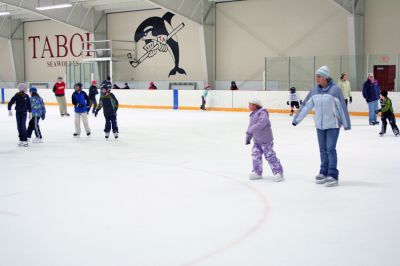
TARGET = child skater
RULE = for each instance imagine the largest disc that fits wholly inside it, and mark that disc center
(38, 112)
(110, 106)
(81, 101)
(387, 114)
(22, 107)
(204, 97)
(92, 97)
(260, 131)
(294, 100)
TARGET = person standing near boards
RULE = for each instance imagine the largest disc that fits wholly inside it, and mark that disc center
(344, 85)
(59, 91)
(204, 96)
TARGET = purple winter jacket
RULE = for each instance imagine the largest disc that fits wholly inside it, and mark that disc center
(260, 127)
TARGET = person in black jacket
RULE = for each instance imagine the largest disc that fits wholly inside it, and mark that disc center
(22, 107)
(92, 97)
(109, 103)
(371, 93)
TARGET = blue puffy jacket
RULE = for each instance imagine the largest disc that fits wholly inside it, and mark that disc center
(330, 108)
(81, 101)
(371, 91)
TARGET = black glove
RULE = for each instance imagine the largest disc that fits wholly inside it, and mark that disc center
(294, 124)
(301, 102)
(287, 102)
(351, 99)
(43, 116)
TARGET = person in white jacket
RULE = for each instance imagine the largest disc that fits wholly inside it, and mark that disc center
(344, 85)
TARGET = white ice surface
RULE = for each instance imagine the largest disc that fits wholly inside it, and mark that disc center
(174, 190)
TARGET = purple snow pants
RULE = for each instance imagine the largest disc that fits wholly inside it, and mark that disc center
(270, 155)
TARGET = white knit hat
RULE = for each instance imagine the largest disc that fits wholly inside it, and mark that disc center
(256, 102)
(323, 72)
(22, 87)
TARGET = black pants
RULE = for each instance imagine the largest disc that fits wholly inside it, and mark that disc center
(111, 122)
(92, 102)
(21, 125)
(34, 126)
(392, 120)
(346, 101)
(203, 103)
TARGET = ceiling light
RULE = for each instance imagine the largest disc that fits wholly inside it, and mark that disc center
(4, 13)
(53, 7)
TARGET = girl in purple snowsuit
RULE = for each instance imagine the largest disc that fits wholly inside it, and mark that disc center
(260, 131)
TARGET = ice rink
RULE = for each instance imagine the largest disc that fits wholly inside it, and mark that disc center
(174, 190)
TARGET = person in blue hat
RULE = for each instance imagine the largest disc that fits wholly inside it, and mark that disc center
(81, 102)
(38, 112)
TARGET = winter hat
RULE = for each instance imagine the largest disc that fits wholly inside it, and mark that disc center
(293, 89)
(323, 72)
(384, 93)
(256, 102)
(151, 83)
(22, 87)
(94, 82)
(32, 90)
(79, 84)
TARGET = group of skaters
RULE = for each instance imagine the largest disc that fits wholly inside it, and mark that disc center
(33, 107)
(329, 102)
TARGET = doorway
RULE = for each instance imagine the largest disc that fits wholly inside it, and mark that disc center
(386, 76)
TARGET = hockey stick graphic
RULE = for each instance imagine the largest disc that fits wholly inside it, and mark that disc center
(135, 63)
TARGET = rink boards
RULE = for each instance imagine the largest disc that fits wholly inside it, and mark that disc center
(217, 100)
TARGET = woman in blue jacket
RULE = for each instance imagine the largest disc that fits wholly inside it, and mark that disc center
(81, 102)
(330, 115)
(371, 93)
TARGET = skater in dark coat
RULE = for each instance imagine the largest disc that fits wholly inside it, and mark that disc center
(38, 112)
(22, 107)
(93, 91)
(109, 103)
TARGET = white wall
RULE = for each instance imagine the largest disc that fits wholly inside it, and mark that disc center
(7, 73)
(274, 100)
(248, 31)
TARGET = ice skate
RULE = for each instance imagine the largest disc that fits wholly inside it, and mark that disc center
(278, 177)
(254, 176)
(88, 134)
(331, 182)
(76, 135)
(66, 114)
(37, 140)
(23, 144)
(107, 135)
(20, 144)
(320, 179)
(382, 133)
(115, 135)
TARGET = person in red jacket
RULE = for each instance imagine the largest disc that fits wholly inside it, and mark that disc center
(59, 91)
(152, 86)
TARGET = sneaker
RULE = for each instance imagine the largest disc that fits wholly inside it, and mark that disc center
(37, 140)
(116, 135)
(88, 134)
(107, 135)
(331, 182)
(254, 176)
(76, 135)
(320, 179)
(278, 177)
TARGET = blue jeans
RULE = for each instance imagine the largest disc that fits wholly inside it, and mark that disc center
(327, 140)
(372, 107)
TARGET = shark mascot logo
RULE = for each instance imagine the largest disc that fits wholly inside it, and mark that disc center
(159, 36)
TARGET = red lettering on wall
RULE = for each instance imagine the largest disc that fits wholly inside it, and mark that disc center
(47, 48)
(71, 45)
(34, 38)
(88, 44)
(62, 45)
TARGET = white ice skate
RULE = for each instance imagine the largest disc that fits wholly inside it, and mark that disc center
(23, 144)
(278, 178)
(107, 135)
(116, 135)
(320, 179)
(254, 176)
(37, 140)
(331, 182)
